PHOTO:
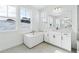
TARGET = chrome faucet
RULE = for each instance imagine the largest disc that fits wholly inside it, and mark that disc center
(33, 31)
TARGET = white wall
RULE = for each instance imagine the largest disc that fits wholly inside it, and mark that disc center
(11, 39)
(74, 26)
(35, 20)
(78, 21)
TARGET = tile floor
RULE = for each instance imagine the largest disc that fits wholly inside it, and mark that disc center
(41, 48)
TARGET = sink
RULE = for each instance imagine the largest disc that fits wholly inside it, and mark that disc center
(33, 39)
(34, 34)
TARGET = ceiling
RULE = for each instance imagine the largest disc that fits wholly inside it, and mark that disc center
(38, 6)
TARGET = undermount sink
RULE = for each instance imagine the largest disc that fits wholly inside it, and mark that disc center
(33, 34)
(32, 39)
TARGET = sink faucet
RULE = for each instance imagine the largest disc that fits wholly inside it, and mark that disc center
(33, 31)
(57, 28)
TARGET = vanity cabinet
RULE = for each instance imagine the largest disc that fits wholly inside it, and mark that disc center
(46, 37)
(60, 39)
(53, 38)
(66, 41)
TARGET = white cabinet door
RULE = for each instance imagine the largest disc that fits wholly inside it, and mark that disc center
(46, 37)
(52, 39)
(55, 38)
(58, 39)
(66, 41)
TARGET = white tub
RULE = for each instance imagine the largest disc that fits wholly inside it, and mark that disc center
(33, 39)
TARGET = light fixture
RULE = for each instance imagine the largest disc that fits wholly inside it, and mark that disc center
(57, 11)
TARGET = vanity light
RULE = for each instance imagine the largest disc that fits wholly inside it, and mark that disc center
(57, 11)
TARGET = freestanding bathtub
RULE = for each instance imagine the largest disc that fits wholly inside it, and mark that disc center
(33, 39)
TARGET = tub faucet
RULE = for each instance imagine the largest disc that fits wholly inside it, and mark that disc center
(33, 31)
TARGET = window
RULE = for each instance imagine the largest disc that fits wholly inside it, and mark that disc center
(11, 11)
(3, 11)
(22, 12)
(7, 18)
(25, 15)
(44, 16)
(25, 19)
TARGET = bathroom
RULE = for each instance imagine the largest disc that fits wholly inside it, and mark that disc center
(38, 28)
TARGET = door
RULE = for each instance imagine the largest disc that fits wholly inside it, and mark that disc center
(55, 38)
(52, 36)
(58, 38)
(66, 41)
(46, 37)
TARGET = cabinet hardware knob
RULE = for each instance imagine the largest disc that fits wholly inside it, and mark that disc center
(47, 34)
(53, 36)
(61, 38)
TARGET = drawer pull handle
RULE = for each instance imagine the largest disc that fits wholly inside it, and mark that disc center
(65, 34)
(61, 38)
(47, 34)
(53, 36)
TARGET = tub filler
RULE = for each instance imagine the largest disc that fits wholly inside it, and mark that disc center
(33, 39)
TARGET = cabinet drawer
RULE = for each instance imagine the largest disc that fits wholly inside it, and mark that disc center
(66, 34)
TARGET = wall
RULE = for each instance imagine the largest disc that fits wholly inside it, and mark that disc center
(35, 20)
(11, 39)
(78, 21)
(74, 26)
